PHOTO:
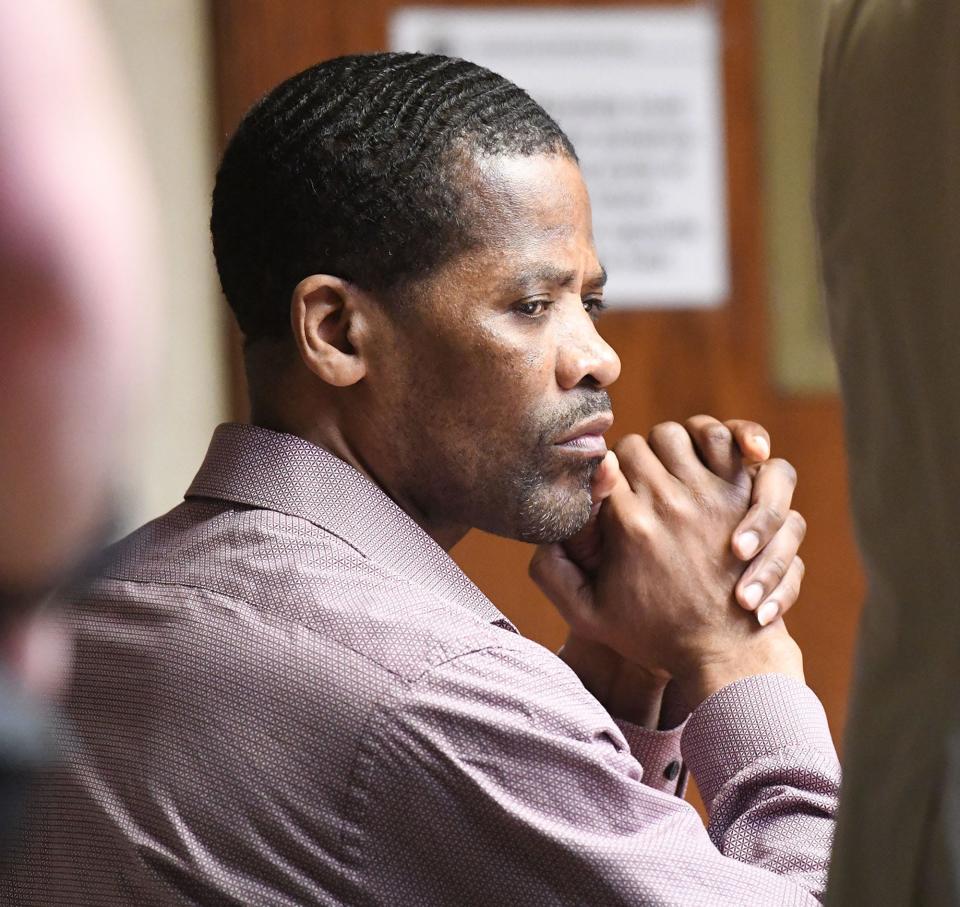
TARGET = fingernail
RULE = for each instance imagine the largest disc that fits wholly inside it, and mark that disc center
(748, 542)
(762, 445)
(767, 613)
(752, 595)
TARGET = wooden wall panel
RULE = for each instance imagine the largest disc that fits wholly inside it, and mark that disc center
(675, 364)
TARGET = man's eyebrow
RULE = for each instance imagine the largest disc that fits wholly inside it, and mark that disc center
(554, 276)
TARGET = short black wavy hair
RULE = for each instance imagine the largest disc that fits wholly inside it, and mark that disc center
(350, 168)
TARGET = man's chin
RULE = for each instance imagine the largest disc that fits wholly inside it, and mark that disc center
(560, 532)
(552, 514)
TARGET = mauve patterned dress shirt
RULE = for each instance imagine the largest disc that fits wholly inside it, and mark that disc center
(287, 694)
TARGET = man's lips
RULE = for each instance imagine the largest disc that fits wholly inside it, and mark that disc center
(587, 437)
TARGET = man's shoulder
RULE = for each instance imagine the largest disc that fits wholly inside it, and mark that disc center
(241, 664)
(274, 587)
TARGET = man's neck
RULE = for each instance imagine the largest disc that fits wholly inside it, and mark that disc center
(332, 439)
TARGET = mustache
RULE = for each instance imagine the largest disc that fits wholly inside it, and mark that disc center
(591, 403)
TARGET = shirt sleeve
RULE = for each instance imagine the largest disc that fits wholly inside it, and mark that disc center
(660, 755)
(497, 780)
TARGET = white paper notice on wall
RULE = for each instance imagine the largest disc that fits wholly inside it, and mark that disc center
(639, 92)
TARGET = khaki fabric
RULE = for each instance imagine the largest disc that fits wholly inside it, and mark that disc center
(888, 209)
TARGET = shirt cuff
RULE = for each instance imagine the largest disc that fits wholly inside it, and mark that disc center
(747, 720)
(658, 753)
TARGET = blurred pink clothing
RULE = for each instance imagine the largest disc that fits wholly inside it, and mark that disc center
(287, 693)
(76, 286)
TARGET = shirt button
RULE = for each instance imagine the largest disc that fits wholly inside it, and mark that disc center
(672, 770)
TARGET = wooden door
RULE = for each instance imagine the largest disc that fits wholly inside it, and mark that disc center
(675, 363)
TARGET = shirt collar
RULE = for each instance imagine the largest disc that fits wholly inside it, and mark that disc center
(256, 467)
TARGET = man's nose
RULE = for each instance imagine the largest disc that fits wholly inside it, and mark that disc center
(585, 355)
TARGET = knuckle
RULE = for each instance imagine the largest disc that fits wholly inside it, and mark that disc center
(789, 590)
(535, 569)
(792, 592)
(799, 523)
(539, 572)
(769, 516)
(788, 470)
(699, 423)
(717, 435)
(637, 525)
(628, 446)
(801, 568)
(680, 508)
(776, 568)
(667, 431)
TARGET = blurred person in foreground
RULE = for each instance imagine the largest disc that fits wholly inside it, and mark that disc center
(888, 205)
(74, 294)
(288, 693)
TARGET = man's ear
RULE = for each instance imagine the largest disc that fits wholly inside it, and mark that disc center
(326, 314)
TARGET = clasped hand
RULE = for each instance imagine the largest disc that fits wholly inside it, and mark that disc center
(685, 569)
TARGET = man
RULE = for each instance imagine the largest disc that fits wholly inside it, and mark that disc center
(72, 347)
(287, 691)
(888, 207)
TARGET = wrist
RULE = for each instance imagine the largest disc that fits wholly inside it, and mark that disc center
(710, 675)
(640, 704)
(626, 690)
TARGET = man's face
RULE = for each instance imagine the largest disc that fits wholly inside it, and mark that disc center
(486, 404)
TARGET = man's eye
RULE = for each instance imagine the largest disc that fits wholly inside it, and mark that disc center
(594, 306)
(532, 307)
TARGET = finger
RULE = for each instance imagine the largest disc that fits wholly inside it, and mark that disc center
(640, 467)
(768, 568)
(783, 598)
(566, 585)
(772, 495)
(672, 445)
(604, 480)
(717, 448)
(583, 548)
(752, 439)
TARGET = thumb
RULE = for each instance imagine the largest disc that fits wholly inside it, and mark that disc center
(605, 480)
(584, 547)
(565, 584)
